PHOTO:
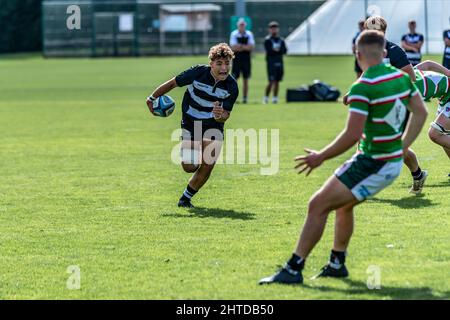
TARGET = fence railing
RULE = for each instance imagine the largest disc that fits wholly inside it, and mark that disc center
(122, 28)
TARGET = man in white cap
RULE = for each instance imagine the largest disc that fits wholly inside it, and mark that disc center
(242, 43)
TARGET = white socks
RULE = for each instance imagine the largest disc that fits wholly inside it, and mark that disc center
(266, 99)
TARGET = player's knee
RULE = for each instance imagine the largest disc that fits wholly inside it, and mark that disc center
(317, 205)
(344, 213)
(434, 135)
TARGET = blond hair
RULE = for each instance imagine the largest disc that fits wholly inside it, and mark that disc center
(220, 51)
(376, 23)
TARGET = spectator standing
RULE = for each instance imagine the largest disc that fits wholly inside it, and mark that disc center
(275, 49)
(242, 43)
(412, 43)
(446, 61)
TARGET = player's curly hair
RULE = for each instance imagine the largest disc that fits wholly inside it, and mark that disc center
(221, 51)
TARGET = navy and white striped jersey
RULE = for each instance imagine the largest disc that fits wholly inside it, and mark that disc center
(203, 90)
(413, 57)
(447, 49)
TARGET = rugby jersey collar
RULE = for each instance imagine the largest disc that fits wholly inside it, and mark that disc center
(376, 67)
(216, 82)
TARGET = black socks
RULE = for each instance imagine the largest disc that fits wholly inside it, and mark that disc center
(417, 175)
(337, 258)
(188, 194)
(296, 263)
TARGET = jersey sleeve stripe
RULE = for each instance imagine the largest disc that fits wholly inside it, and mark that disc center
(354, 98)
(359, 111)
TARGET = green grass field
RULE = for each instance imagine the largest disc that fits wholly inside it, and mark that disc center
(87, 180)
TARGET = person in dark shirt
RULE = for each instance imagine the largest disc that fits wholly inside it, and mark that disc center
(361, 28)
(395, 55)
(412, 43)
(242, 42)
(275, 49)
(446, 60)
(207, 104)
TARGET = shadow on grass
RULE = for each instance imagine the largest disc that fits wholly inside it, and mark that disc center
(410, 202)
(403, 293)
(199, 212)
(441, 184)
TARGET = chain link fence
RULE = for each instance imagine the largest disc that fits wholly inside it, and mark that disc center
(147, 27)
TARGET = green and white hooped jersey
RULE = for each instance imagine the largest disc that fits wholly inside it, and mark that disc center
(382, 94)
(433, 85)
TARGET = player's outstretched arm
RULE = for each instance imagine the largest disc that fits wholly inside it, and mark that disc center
(161, 90)
(429, 65)
(416, 121)
(344, 141)
(410, 71)
(348, 137)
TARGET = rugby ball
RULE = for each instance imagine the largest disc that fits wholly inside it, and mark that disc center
(163, 106)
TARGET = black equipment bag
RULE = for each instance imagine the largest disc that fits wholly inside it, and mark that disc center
(324, 92)
(299, 95)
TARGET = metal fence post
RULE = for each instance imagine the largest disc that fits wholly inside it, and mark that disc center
(308, 36)
(427, 40)
(240, 8)
(93, 36)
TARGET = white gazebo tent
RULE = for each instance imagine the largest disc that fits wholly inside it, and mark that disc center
(330, 29)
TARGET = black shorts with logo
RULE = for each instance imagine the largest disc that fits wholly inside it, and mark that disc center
(194, 130)
(275, 71)
(241, 65)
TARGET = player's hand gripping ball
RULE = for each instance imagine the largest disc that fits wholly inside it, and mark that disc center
(163, 106)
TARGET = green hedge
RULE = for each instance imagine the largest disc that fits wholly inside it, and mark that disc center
(20, 25)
